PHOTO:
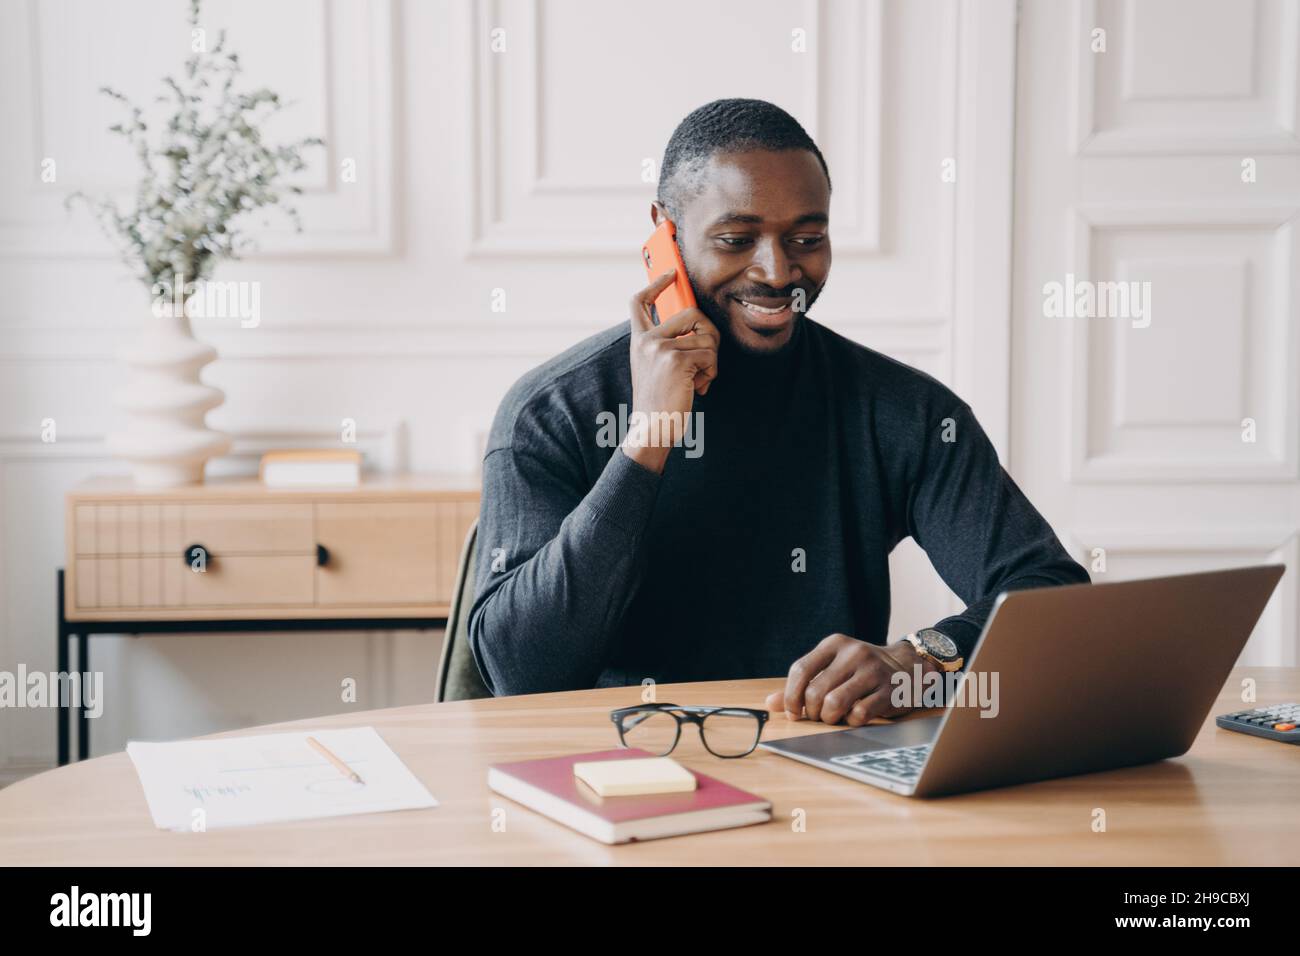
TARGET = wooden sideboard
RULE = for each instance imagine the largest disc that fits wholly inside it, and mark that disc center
(235, 555)
(387, 548)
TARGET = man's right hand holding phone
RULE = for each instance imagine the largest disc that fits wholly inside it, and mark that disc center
(671, 363)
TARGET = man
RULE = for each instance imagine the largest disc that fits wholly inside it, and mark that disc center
(763, 548)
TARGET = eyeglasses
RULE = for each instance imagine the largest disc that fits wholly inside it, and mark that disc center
(656, 728)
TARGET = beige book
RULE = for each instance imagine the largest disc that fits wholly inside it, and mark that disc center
(302, 467)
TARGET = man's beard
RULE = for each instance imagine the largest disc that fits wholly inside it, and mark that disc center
(717, 308)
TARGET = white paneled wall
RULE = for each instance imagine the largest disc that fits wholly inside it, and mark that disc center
(1159, 142)
(477, 171)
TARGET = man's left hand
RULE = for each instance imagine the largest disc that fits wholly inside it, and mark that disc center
(844, 679)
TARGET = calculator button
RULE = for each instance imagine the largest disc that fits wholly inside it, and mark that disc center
(1284, 726)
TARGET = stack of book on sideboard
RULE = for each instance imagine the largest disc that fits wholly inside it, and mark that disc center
(311, 467)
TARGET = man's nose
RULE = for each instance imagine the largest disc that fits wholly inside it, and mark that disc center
(771, 266)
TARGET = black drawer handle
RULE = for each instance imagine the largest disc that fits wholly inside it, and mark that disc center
(195, 553)
(322, 555)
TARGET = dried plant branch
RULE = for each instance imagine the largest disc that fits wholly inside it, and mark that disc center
(207, 172)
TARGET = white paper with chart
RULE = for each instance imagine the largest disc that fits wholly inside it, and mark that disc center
(239, 781)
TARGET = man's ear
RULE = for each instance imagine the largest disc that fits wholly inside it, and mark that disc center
(657, 212)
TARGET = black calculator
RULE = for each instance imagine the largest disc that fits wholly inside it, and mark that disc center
(1281, 722)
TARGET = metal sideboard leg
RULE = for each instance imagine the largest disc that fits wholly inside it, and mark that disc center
(61, 705)
(83, 723)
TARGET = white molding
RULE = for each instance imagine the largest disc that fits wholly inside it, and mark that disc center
(1251, 539)
(1263, 545)
(43, 229)
(1085, 139)
(868, 152)
(1159, 213)
(1082, 220)
(983, 219)
(490, 238)
(540, 337)
(1084, 77)
(383, 446)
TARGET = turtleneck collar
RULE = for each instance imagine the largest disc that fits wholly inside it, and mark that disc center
(741, 370)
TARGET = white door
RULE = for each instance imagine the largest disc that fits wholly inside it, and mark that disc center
(1154, 360)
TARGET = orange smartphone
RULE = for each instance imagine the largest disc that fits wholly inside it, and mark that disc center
(659, 254)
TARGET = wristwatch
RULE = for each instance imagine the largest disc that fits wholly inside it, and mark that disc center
(938, 647)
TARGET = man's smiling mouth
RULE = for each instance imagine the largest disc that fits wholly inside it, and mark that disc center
(768, 313)
(755, 307)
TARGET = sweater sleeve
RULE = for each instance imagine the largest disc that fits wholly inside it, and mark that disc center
(557, 567)
(978, 529)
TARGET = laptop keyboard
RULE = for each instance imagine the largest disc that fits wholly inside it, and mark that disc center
(898, 763)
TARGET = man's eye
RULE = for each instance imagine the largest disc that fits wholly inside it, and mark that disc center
(808, 241)
(735, 241)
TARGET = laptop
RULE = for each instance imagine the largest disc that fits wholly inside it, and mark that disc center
(1073, 679)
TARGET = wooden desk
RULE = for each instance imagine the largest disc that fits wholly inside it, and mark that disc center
(1230, 800)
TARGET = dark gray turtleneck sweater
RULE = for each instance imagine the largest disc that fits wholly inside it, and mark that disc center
(815, 462)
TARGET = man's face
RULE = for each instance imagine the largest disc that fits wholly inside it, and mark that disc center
(755, 243)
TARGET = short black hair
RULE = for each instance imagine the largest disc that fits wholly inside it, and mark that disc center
(732, 125)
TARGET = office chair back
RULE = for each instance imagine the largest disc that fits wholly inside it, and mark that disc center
(458, 676)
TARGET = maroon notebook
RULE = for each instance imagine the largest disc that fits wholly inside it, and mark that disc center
(549, 787)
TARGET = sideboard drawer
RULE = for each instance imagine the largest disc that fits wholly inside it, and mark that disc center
(385, 549)
(143, 583)
(111, 528)
(247, 528)
(392, 553)
(148, 528)
(251, 581)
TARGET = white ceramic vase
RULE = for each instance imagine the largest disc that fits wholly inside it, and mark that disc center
(165, 437)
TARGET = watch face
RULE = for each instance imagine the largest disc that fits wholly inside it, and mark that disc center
(938, 644)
